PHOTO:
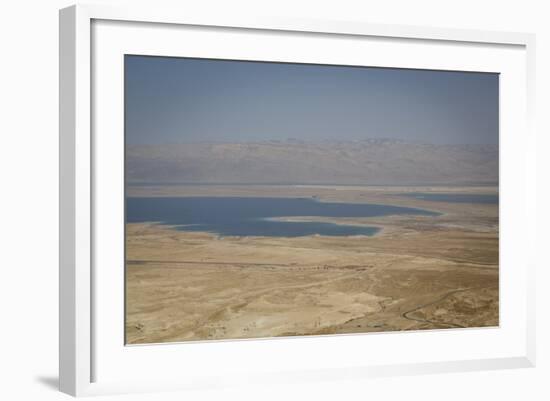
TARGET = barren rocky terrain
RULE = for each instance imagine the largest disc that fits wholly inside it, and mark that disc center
(418, 272)
(365, 162)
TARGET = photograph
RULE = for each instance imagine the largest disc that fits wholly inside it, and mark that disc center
(276, 201)
(272, 199)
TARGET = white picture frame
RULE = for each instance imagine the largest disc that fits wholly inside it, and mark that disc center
(80, 342)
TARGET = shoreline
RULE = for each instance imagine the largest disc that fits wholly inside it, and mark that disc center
(411, 275)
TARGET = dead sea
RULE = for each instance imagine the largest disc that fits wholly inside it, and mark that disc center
(437, 271)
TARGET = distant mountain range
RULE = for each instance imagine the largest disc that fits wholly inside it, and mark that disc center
(366, 162)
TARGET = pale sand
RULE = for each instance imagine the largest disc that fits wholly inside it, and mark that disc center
(417, 273)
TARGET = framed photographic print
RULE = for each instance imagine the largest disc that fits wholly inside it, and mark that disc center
(279, 200)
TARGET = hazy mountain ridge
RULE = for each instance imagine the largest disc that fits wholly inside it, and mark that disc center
(371, 161)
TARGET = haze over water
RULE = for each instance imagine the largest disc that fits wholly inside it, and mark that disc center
(455, 197)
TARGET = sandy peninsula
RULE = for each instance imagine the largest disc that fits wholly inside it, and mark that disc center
(417, 272)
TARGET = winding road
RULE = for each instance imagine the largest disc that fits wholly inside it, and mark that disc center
(440, 299)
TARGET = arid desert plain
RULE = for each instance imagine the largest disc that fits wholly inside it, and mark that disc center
(417, 272)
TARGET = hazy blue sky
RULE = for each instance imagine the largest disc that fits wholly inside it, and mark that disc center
(177, 100)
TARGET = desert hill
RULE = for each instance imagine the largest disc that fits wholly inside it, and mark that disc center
(366, 162)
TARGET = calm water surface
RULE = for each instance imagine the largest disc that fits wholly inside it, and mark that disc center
(454, 198)
(229, 216)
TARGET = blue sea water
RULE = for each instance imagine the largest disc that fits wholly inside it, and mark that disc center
(235, 216)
